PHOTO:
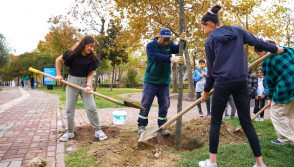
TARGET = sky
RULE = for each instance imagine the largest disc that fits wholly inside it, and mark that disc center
(24, 22)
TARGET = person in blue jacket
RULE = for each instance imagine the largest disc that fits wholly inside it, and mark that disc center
(227, 71)
(199, 78)
(158, 77)
(260, 94)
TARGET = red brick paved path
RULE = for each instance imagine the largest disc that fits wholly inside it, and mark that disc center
(34, 128)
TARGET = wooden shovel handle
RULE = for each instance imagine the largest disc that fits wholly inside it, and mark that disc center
(254, 64)
(260, 111)
(198, 101)
(76, 86)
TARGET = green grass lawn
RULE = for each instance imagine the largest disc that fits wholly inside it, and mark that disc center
(101, 103)
(239, 155)
(80, 158)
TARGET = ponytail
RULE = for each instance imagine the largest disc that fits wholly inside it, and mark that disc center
(211, 15)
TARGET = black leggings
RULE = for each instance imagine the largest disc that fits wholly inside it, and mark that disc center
(220, 98)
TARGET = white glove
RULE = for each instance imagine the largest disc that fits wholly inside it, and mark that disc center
(177, 59)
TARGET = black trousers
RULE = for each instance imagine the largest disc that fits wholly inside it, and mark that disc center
(220, 98)
(259, 104)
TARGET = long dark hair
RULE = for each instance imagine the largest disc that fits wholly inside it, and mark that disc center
(76, 51)
(211, 15)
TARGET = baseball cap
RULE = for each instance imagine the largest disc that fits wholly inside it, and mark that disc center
(165, 33)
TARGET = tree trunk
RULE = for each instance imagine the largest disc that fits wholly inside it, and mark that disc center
(99, 52)
(112, 77)
(189, 75)
(178, 133)
(175, 78)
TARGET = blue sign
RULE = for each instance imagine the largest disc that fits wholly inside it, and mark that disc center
(50, 71)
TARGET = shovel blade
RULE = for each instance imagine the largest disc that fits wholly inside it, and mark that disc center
(131, 104)
(237, 129)
(148, 134)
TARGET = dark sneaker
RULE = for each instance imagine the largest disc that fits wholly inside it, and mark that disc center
(277, 142)
(200, 114)
(141, 129)
(165, 132)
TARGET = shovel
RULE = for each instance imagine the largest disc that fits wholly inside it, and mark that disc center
(151, 133)
(123, 103)
(256, 115)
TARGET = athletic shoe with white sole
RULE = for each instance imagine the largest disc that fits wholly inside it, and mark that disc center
(259, 166)
(261, 119)
(100, 135)
(141, 129)
(165, 132)
(65, 137)
(207, 163)
(277, 142)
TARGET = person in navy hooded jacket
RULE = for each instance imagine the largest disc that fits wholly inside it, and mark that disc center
(227, 71)
(158, 77)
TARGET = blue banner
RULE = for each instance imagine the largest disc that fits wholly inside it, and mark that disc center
(51, 71)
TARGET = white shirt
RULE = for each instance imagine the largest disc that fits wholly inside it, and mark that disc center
(200, 83)
(260, 87)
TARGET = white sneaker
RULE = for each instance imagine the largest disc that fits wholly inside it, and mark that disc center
(227, 117)
(100, 135)
(261, 119)
(66, 136)
(256, 119)
(207, 163)
(259, 166)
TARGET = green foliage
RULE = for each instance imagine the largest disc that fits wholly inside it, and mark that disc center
(24, 61)
(112, 48)
(132, 78)
(4, 52)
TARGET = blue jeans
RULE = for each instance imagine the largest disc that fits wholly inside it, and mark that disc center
(162, 94)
